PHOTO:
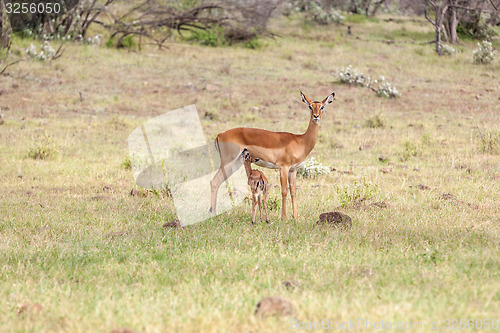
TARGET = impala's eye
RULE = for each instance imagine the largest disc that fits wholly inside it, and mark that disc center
(310, 107)
(321, 108)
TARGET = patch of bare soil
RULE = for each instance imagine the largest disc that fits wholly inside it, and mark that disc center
(274, 306)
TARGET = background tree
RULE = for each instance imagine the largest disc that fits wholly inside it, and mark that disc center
(470, 15)
(367, 7)
(5, 29)
(439, 9)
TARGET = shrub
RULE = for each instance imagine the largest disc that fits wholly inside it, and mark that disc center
(410, 149)
(253, 44)
(376, 121)
(315, 11)
(126, 164)
(43, 149)
(489, 142)
(127, 42)
(96, 40)
(350, 196)
(209, 37)
(447, 50)
(350, 75)
(312, 169)
(386, 89)
(476, 26)
(47, 52)
(381, 87)
(484, 54)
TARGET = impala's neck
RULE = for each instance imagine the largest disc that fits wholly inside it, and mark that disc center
(248, 167)
(310, 136)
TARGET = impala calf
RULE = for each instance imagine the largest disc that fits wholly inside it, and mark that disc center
(275, 150)
(258, 185)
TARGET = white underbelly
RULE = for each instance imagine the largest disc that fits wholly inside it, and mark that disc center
(270, 165)
(265, 164)
(296, 166)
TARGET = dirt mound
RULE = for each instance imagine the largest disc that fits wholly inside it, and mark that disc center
(336, 220)
(274, 306)
(173, 224)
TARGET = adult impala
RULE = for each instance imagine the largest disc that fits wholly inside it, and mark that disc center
(275, 150)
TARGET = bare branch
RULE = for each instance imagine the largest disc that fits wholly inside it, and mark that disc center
(428, 18)
(10, 64)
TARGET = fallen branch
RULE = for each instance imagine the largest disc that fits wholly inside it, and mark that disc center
(12, 63)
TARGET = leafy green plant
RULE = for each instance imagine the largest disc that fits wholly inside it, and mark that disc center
(489, 142)
(43, 149)
(126, 164)
(110, 43)
(254, 43)
(376, 121)
(409, 150)
(351, 196)
(431, 256)
(208, 37)
(273, 203)
(127, 42)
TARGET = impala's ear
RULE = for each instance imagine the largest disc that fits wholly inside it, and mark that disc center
(305, 99)
(328, 100)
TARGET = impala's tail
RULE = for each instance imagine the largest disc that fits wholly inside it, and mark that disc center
(216, 142)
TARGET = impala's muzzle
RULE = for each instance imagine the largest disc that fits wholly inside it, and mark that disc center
(316, 119)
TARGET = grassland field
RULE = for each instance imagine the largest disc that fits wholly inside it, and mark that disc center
(78, 253)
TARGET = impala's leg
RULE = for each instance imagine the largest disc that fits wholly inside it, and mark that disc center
(254, 207)
(283, 179)
(292, 177)
(260, 208)
(224, 172)
(229, 154)
(264, 199)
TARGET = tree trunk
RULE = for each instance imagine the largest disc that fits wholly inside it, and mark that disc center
(438, 40)
(366, 5)
(452, 24)
(444, 29)
(4, 27)
(378, 4)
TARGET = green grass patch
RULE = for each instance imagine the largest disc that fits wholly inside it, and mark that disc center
(359, 19)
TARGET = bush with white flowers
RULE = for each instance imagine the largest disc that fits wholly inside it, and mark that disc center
(386, 89)
(380, 86)
(46, 51)
(315, 10)
(352, 76)
(312, 169)
(484, 54)
(447, 50)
